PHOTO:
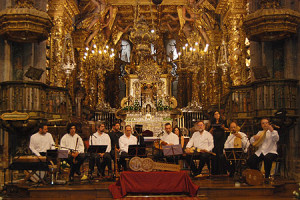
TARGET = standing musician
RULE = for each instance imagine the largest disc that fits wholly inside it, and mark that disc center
(218, 131)
(236, 139)
(124, 141)
(267, 149)
(102, 159)
(73, 142)
(203, 141)
(41, 141)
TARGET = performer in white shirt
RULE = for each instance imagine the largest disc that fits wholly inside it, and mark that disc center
(267, 151)
(73, 142)
(102, 159)
(203, 141)
(124, 141)
(169, 138)
(235, 134)
(41, 141)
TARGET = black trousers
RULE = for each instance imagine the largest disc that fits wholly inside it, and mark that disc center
(123, 156)
(100, 162)
(78, 162)
(254, 161)
(202, 157)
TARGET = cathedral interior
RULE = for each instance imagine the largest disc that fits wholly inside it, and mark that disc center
(143, 62)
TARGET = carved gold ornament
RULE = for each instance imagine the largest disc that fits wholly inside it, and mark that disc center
(271, 24)
(24, 23)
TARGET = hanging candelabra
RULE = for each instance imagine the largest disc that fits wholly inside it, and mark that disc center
(223, 58)
(68, 64)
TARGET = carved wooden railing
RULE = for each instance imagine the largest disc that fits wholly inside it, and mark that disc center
(264, 98)
(38, 100)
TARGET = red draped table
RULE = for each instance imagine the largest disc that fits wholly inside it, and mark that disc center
(153, 182)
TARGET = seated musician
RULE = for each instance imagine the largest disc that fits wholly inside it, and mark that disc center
(124, 141)
(41, 141)
(102, 159)
(73, 142)
(115, 135)
(236, 139)
(267, 149)
(232, 138)
(168, 138)
(203, 141)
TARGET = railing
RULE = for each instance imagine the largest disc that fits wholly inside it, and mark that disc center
(37, 99)
(264, 98)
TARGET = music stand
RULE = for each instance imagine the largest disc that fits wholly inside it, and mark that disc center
(236, 155)
(137, 150)
(172, 150)
(97, 148)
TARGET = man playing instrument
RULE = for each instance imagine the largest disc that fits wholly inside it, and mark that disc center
(236, 139)
(236, 135)
(41, 141)
(74, 144)
(203, 141)
(102, 159)
(267, 150)
(124, 141)
(115, 135)
(169, 138)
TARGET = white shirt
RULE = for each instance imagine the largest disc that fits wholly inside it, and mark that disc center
(269, 145)
(170, 138)
(41, 143)
(230, 141)
(124, 142)
(69, 142)
(103, 139)
(201, 141)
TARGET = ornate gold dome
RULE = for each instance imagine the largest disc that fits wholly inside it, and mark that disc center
(24, 23)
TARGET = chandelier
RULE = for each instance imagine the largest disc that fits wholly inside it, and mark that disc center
(192, 53)
(99, 56)
(68, 59)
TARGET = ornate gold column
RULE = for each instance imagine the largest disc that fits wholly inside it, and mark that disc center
(233, 13)
(61, 13)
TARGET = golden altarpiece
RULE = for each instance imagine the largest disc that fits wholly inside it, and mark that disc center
(63, 60)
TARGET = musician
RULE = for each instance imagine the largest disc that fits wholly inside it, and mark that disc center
(102, 159)
(218, 131)
(230, 143)
(73, 142)
(124, 141)
(169, 138)
(41, 141)
(115, 135)
(235, 133)
(178, 132)
(204, 142)
(267, 151)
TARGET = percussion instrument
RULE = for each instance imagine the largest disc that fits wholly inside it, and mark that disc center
(34, 167)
